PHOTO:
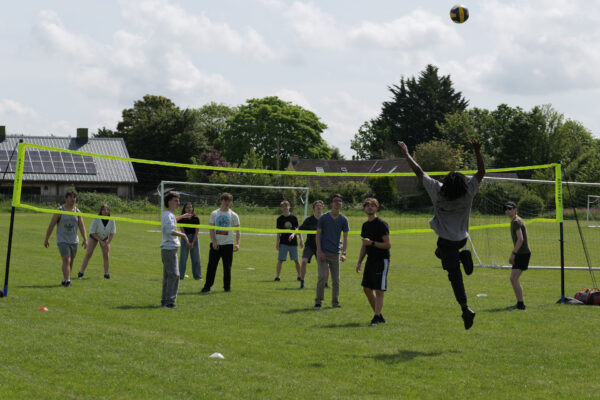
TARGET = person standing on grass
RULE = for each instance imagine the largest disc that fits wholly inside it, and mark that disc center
(67, 239)
(102, 232)
(310, 246)
(287, 242)
(376, 246)
(221, 243)
(192, 249)
(452, 200)
(168, 250)
(330, 226)
(520, 255)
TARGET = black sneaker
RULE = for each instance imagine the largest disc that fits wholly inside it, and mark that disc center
(67, 283)
(468, 316)
(467, 261)
(516, 307)
(205, 290)
(171, 306)
(79, 275)
(381, 319)
(277, 279)
(64, 282)
(227, 290)
(326, 286)
(336, 305)
(374, 321)
(302, 286)
(106, 276)
(317, 306)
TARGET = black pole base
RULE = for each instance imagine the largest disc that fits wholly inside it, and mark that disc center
(562, 300)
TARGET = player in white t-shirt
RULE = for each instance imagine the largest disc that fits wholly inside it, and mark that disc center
(222, 243)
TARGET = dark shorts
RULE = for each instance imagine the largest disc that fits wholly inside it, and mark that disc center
(308, 253)
(522, 261)
(375, 274)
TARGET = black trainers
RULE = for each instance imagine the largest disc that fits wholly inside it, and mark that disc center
(64, 282)
(106, 276)
(277, 279)
(79, 275)
(326, 286)
(67, 283)
(336, 305)
(205, 290)
(381, 319)
(467, 261)
(317, 306)
(171, 306)
(302, 286)
(299, 279)
(517, 307)
(468, 316)
(374, 321)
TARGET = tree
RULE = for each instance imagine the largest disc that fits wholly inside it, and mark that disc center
(439, 156)
(336, 154)
(214, 120)
(417, 105)
(156, 129)
(275, 130)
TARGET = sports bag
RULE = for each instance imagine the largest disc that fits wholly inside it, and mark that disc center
(589, 296)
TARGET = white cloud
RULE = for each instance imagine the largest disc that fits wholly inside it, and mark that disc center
(313, 27)
(172, 23)
(294, 97)
(184, 77)
(12, 108)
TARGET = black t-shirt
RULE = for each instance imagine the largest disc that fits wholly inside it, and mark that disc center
(289, 222)
(310, 224)
(193, 220)
(376, 230)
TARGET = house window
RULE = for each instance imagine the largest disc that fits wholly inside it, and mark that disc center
(320, 169)
(344, 169)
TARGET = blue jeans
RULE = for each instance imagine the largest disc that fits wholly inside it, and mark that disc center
(195, 253)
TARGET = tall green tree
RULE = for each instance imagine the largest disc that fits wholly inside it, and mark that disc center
(156, 129)
(416, 107)
(275, 130)
(214, 120)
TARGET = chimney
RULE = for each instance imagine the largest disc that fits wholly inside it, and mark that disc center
(82, 135)
(2, 133)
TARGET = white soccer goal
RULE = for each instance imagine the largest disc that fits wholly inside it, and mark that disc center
(593, 211)
(201, 193)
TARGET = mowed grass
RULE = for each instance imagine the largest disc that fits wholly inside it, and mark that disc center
(110, 339)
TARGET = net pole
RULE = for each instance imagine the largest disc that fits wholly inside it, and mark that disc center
(10, 235)
(558, 193)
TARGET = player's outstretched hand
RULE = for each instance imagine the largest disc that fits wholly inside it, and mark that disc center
(403, 147)
(476, 144)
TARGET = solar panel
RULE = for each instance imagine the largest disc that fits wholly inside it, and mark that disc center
(49, 162)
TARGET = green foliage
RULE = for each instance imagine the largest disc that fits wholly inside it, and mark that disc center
(274, 128)
(439, 156)
(384, 190)
(214, 119)
(531, 205)
(493, 195)
(91, 202)
(416, 107)
(353, 192)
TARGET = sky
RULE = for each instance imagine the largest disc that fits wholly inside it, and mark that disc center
(66, 64)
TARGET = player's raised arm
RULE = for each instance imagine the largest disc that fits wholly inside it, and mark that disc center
(476, 144)
(411, 162)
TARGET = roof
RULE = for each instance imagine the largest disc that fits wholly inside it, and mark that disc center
(340, 166)
(107, 170)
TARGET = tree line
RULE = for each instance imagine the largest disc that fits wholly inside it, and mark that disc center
(426, 112)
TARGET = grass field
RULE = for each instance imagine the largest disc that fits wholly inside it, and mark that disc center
(110, 339)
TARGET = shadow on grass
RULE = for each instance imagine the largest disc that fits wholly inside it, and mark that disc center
(405, 355)
(199, 293)
(39, 286)
(500, 309)
(138, 307)
(346, 325)
(289, 288)
(299, 310)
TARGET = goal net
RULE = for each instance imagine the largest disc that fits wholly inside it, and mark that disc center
(593, 211)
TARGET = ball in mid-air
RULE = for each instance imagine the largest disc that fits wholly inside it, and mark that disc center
(459, 14)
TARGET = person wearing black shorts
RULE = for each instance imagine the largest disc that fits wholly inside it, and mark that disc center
(519, 258)
(310, 246)
(376, 246)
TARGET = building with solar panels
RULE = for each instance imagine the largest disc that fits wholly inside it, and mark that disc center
(49, 174)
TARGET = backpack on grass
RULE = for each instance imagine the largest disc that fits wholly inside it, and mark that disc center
(589, 296)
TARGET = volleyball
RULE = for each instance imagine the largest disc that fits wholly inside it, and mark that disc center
(459, 14)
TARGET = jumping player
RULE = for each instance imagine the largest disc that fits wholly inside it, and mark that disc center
(452, 200)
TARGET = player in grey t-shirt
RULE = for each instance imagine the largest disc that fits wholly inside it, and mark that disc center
(66, 235)
(452, 199)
